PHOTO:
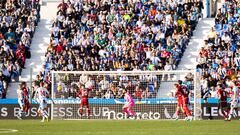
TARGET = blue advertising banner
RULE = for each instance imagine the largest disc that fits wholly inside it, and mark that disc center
(109, 101)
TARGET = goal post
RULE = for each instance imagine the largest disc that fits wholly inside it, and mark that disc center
(152, 92)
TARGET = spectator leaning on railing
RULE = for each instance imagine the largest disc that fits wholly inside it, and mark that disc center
(18, 20)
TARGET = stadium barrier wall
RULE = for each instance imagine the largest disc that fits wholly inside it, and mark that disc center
(111, 111)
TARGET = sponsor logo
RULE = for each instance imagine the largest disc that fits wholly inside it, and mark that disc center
(139, 115)
(112, 111)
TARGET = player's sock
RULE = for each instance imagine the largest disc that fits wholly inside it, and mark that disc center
(234, 113)
(43, 119)
(19, 116)
(20, 113)
(26, 108)
(224, 114)
(184, 113)
(39, 113)
(24, 114)
(44, 115)
(190, 118)
(47, 119)
(230, 116)
(131, 112)
(88, 111)
(178, 112)
(186, 110)
(81, 111)
(125, 110)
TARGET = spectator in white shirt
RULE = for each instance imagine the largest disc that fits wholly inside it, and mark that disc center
(90, 83)
(83, 79)
(155, 60)
(167, 67)
(104, 84)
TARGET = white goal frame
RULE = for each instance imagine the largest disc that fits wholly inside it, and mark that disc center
(197, 93)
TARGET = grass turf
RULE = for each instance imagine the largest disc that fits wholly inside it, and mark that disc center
(123, 127)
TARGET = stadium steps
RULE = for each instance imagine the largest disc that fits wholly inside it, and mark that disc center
(38, 47)
(189, 58)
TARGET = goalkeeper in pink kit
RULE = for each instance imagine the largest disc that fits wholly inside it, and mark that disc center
(127, 108)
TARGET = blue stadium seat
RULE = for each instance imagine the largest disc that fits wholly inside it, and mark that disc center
(221, 33)
(218, 27)
(225, 27)
(47, 66)
(151, 87)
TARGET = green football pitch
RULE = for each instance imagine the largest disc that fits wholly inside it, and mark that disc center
(123, 127)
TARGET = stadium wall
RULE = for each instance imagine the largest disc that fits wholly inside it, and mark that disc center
(110, 110)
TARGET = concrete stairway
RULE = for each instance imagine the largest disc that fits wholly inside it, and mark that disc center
(189, 59)
(38, 47)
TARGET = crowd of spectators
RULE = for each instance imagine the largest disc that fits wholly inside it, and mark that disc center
(219, 58)
(141, 86)
(120, 35)
(18, 20)
(107, 86)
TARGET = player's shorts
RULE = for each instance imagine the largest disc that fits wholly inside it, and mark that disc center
(43, 104)
(84, 102)
(128, 105)
(223, 104)
(21, 103)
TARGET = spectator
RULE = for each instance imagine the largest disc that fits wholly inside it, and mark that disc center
(104, 84)
(167, 67)
(121, 36)
(109, 95)
(218, 59)
(138, 93)
(146, 94)
(18, 20)
(61, 89)
(90, 83)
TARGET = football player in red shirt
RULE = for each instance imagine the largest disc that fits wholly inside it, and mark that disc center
(83, 95)
(26, 97)
(222, 96)
(185, 98)
(178, 95)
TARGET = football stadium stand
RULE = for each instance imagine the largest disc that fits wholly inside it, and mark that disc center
(219, 56)
(121, 37)
(134, 36)
(18, 21)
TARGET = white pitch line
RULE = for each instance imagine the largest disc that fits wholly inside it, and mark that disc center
(4, 131)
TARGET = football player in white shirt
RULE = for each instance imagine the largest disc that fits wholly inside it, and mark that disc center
(41, 95)
(20, 101)
(234, 100)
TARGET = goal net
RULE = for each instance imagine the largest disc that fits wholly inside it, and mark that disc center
(153, 93)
